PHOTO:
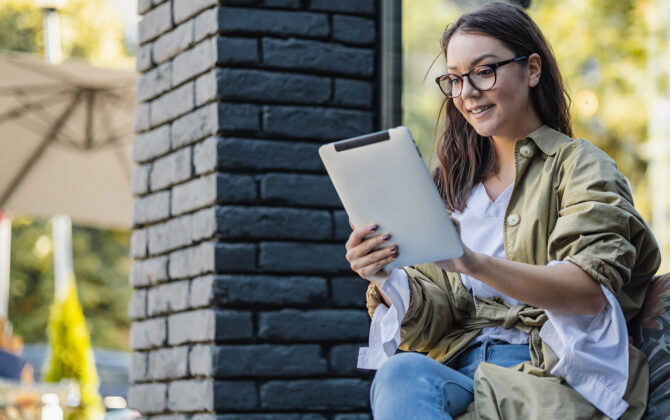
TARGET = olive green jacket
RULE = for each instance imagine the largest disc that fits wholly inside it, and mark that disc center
(569, 202)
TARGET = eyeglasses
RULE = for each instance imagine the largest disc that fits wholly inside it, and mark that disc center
(482, 78)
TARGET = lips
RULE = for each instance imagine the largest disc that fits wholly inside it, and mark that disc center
(479, 109)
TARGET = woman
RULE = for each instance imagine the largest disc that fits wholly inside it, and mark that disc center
(556, 259)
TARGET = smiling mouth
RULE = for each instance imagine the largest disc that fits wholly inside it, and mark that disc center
(479, 110)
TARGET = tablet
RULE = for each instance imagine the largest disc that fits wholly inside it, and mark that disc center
(381, 178)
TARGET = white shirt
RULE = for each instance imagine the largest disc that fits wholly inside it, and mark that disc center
(592, 350)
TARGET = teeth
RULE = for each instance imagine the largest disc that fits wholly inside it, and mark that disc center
(480, 110)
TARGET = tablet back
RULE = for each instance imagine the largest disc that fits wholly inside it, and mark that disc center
(381, 178)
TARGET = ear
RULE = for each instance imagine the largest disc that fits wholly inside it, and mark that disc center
(534, 69)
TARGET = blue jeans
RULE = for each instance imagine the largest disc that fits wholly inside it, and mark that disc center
(414, 386)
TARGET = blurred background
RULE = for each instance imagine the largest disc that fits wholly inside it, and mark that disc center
(613, 56)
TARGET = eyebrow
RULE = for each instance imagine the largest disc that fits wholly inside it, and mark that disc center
(474, 63)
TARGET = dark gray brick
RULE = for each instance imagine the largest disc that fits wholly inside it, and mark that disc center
(211, 257)
(148, 398)
(236, 222)
(137, 307)
(272, 87)
(139, 182)
(138, 243)
(148, 272)
(350, 92)
(213, 118)
(173, 104)
(148, 334)
(350, 6)
(315, 123)
(231, 50)
(245, 290)
(207, 190)
(173, 42)
(206, 23)
(292, 4)
(169, 363)
(320, 56)
(192, 62)
(184, 9)
(151, 208)
(171, 169)
(209, 325)
(144, 60)
(141, 118)
(353, 416)
(155, 22)
(342, 227)
(257, 360)
(269, 416)
(273, 22)
(287, 257)
(318, 324)
(237, 395)
(348, 291)
(313, 394)
(343, 359)
(138, 367)
(167, 298)
(299, 189)
(238, 153)
(354, 30)
(151, 144)
(154, 82)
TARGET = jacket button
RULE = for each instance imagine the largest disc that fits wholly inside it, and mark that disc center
(526, 151)
(513, 220)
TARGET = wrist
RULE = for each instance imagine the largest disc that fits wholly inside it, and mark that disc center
(475, 264)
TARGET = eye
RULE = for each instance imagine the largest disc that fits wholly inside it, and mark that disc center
(483, 71)
(453, 80)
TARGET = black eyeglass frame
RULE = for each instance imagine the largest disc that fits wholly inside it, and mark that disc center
(492, 66)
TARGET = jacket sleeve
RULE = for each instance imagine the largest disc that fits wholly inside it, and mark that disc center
(598, 228)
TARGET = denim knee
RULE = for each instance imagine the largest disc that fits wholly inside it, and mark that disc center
(403, 370)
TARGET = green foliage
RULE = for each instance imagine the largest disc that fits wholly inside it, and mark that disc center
(101, 265)
(71, 353)
(90, 29)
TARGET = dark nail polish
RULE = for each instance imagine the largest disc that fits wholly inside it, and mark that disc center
(386, 237)
(373, 228)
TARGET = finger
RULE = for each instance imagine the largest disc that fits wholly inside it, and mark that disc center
(357, 236)
(375, 256)
(378, 266)
(351, 224)
(457, 224)
(367, 246)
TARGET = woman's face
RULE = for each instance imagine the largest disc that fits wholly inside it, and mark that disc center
(506, 109)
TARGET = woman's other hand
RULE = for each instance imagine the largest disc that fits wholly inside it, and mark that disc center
(367, 261)
(466, 263)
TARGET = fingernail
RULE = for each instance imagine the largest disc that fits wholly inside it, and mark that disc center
(394, 249)
(373, 228)
(386, 237)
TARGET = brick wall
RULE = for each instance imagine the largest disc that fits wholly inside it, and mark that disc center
(243, 304)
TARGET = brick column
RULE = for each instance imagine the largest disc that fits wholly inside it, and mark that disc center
(244, 306)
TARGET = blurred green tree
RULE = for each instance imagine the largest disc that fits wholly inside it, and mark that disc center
(101, 266)
(71, 353)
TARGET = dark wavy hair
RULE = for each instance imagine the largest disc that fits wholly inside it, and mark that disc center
(466, 158)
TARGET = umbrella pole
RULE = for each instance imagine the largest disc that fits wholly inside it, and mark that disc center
(61, 226)
(5, 254)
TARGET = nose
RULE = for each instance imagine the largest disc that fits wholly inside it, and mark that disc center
(468, 90)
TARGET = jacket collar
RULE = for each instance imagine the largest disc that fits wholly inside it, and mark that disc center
(548, 139)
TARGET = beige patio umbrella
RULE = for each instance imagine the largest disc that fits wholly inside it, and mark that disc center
(65, 151)
(65, 140)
